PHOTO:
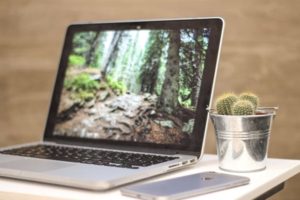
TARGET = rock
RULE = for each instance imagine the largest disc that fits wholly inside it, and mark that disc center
(90, 103)
(126, 102)
(118, 108)
(100, 134)
(65, 104)
(103, 95)
(105, 117)
(130, 114)
(152, 112)
(87, 123)
(92, 111)
(68, 113)
(116, 137)
(82, 133)
(95, 77)
(188, 126)
(92, 135)
(152, 98)
(146, 96)
(168, 110)
(165, 123)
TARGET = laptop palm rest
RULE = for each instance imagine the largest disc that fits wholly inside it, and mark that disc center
(34, 166)
(91, 177)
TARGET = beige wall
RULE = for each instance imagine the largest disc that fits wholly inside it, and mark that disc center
(261, 53)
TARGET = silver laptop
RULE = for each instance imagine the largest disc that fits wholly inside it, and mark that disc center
(129, 103)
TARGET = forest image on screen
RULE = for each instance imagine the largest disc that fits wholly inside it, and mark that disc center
(133, 85)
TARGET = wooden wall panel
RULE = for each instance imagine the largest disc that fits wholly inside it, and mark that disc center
(260, 53)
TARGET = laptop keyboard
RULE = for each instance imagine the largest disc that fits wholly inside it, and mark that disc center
(89, 156)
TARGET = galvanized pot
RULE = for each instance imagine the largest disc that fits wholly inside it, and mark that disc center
(242, 141)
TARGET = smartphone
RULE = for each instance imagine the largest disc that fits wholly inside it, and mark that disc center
(185, 186)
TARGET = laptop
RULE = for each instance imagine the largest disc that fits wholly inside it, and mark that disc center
(129, 102)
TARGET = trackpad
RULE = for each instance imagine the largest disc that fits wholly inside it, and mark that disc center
(34, 165)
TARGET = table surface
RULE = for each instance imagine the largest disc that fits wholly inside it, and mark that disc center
(277, 171)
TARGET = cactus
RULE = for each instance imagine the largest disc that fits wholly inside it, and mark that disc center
(243, 107)
(250, 97)
(225, 102)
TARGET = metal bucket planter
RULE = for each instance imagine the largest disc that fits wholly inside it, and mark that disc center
(242, 141)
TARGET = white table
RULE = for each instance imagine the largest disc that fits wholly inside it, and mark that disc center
(263, 184)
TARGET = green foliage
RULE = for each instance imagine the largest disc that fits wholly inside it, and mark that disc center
(186, 104)
(250, 97)
(103, 86)
(83, 95)
(81, 82)
(83, 86)
(82, 42)
(184, 97)
(87, 49)
(139, 61)
(96, 58)
(118, 87)
(224, 103)
(76, 60)
(243, 107)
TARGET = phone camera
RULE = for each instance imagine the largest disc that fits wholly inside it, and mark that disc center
(206, 178)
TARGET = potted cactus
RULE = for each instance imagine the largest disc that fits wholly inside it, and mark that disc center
(242, 131)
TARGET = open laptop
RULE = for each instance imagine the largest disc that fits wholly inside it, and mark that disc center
(129, 102)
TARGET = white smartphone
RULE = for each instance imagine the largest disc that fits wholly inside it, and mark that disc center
(185, 186)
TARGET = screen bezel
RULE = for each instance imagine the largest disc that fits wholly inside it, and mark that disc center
(216, 25)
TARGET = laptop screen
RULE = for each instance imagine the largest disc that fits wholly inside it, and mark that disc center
(137, 84)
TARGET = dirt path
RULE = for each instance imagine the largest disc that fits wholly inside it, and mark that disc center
(127, 117)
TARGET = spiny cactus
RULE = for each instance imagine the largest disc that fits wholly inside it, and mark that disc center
(225, 102)
(250, 97)
(243, 107)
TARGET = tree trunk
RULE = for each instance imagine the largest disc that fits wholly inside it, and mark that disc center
(126, 72)
(91, 53)
(149, 78)
(112, 52)
(154, 75)
(168, 100)
(196, 81)
(152, 64)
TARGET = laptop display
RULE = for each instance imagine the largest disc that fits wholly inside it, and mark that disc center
(139, 83)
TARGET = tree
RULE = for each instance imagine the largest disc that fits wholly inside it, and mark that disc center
(196, 65)
(192, 53)
(91, 54)
(152, 61)
(112, 52)
(81, 42)
(168, 100)
(81, 54)
(128, 70)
